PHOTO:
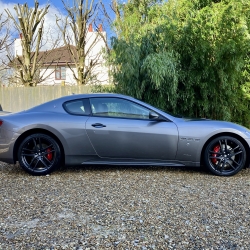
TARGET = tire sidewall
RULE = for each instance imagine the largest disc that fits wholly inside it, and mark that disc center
(57, 159)
(208, 163)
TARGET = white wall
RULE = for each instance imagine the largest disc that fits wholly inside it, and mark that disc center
(49, 74)
(96, 52)
(96, 44)
(18, 47)
(100, 71)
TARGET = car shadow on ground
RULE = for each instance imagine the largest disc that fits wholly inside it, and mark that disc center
(16, 169)
(112, 168)
(108, 168)
(201, 171)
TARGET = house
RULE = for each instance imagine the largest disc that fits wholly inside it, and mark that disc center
(56, 66)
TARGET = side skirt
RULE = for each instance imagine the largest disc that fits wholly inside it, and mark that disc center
(95, 160)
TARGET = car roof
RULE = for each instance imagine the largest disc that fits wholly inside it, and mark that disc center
(90, 95)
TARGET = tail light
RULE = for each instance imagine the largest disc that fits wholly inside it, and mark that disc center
(1, 122)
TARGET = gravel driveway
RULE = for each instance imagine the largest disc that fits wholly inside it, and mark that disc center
(124, 208)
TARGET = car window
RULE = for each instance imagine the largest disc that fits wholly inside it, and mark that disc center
(117, 107)
(77, 107)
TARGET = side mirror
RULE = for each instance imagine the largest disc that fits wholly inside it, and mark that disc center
(153, 115)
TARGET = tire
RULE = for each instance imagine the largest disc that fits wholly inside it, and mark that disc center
(225, 156)
(39, 154)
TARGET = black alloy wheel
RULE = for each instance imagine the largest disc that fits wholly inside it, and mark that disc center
(225, 156)
(39, 154)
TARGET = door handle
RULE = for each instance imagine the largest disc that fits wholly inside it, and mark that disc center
(98, 125)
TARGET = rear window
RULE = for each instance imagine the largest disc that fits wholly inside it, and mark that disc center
(77, 107)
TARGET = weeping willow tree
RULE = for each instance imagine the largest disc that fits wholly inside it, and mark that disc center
(184, 56)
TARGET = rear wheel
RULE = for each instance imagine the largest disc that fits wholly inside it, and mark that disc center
(39, 154)
(225, 156)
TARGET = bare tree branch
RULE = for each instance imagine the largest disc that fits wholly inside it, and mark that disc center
(79, 26)
(30, 24)
(5, 43)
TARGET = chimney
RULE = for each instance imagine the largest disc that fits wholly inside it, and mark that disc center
(100, 28)
(91, 28)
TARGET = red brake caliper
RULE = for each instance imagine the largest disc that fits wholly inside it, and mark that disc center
(49, 155)
(216, 150)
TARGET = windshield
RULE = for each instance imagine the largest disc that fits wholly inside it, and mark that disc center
(172, 114)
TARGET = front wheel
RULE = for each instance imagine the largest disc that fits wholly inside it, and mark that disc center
(225, 156)
(39, 154)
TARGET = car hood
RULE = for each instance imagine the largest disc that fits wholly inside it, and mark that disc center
(212, 124)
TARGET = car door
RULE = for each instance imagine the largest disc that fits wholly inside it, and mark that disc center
(120, 128)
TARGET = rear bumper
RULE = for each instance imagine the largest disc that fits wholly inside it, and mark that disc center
(7, 142)
(6, 154)
(4, 113)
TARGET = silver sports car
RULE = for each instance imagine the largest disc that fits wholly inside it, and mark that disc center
(118, 130)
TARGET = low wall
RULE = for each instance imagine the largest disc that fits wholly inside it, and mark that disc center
(16, 99)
